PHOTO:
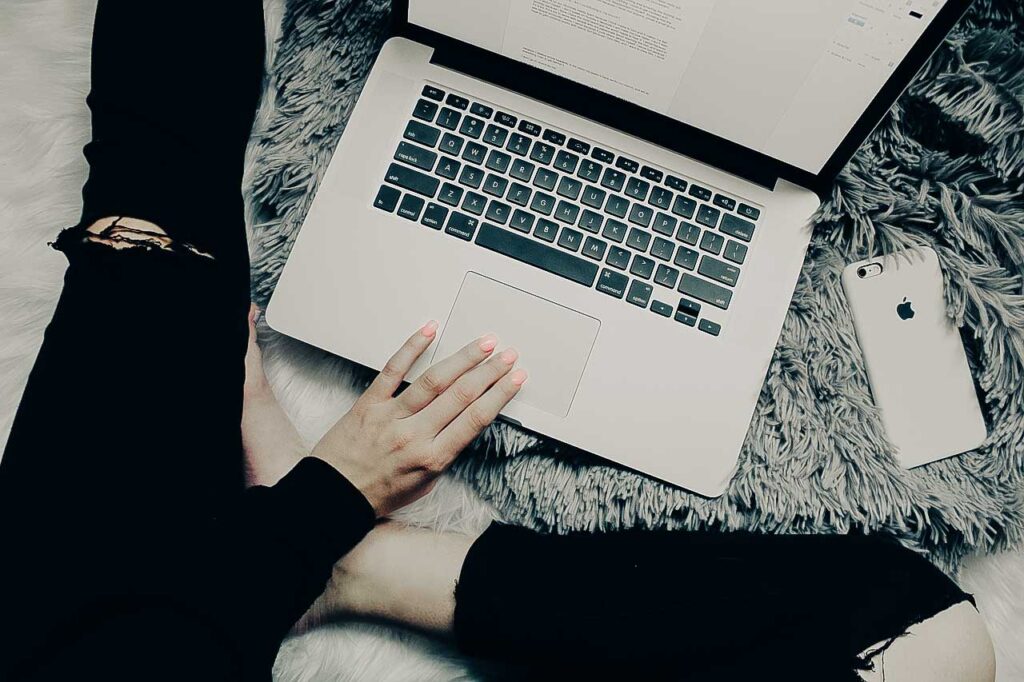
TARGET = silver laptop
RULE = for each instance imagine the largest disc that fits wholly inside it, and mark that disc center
(621, 189)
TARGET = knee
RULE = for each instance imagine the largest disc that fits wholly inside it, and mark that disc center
(952, 646)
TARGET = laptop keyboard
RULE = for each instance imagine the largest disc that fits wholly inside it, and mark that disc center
(569, 207)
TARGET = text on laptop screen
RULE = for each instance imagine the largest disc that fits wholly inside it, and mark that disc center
(788, 78)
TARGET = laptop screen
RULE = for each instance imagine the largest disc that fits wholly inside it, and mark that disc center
(788, 78)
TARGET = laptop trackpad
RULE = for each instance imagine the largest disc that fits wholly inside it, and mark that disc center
(553, 341)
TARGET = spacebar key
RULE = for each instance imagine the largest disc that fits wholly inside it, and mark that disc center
(540, 256)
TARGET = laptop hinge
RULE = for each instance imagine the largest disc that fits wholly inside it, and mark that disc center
(608, 110)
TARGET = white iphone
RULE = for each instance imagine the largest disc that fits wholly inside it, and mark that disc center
(915, 359)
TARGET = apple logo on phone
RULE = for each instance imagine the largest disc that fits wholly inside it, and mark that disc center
(905, 310)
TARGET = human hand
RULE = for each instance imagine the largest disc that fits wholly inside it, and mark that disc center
(393, 448)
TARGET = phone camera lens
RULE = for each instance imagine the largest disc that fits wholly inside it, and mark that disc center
(861, 272)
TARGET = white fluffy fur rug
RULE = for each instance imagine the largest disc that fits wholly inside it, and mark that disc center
(44, 53)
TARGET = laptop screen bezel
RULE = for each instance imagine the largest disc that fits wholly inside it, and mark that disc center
(664, 130)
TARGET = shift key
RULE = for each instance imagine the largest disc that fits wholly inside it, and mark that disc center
(412, 180)
(704, 290)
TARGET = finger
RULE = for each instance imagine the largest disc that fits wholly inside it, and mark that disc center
(395, 369)
(463, 392)
(441, 375)
(475, 418)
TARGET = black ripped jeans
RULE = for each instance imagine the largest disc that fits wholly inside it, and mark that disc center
(130, 549)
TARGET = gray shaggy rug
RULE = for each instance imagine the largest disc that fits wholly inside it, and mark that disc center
(944, 168)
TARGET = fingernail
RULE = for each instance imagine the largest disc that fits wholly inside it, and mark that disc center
(488, 342)
(518, 377)
(509, 355)
(429, 329)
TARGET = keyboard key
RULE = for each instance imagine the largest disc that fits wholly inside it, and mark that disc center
(666, 276)
(707, 215)
(712, 268)
(569, 187)
(506, 119)
(528, 251)
(639, 293)
(602, 155)
(457, 101)
(434, 216)
(570, 239)
(387, 198)
(641, 215)
(433, 93)
(518, 144)
(638, 239)
(642, 266)
(529, 128)
(519, 194)
(712, 242)
(474, 203)
(590, 170)
(495, 185)
(451, 144)
(474, 153)
(472, 127)
(637, 189)
(652, 174)
(412, 180)
(425, 109)
(686, 258)
(614, 230)
(450, 194)
(522, 170)
(688, 233)
(663, 248)
(498, 212)
(687, 312)
(749, 212)
(664, 224)
(710, 327)
(678, 184)
(473, 177)
(542, 203)
(737, 227)
(448, 118)
(495, 135)
(448, 168)
(410, 207)
(627, 164)
(481, 110)
(617, 206)
(703, 290)
(554, 137)
(663, 309)
(724, 202)
(545, 179)
(684, 206)
(591, 221)
(735, 252)
(566, 212)
(461, 225)
(546, 230)
(566, 161)
(612, 283)
(542, 152)
(498, 161)
(661, 197)
(521, 221)
(613, 179)
(593, 197)
(594, 248)
(578, 146)
(618, 257)
(424, 134)
(702, 193)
